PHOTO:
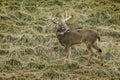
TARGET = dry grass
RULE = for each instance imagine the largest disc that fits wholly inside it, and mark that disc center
(29, 48)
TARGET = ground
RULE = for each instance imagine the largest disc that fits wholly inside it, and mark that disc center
(29, 49)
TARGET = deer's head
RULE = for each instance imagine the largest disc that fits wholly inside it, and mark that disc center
(61, 25)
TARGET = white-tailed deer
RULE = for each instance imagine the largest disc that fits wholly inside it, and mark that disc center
(68, 37)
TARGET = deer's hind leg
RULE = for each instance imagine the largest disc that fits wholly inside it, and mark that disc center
(99, 50)
(89, 49)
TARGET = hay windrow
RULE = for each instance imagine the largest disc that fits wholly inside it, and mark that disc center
(29, 48)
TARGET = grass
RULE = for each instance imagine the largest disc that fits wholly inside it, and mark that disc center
(29, 48)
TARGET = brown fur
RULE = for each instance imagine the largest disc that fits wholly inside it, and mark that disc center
(78, 36)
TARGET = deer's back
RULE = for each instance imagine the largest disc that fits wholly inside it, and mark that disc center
(88, 35)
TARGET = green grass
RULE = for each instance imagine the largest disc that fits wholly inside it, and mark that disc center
(29, 48)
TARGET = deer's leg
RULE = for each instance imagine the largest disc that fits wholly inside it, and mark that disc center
(68, 53)
(97, 48)
(99, 51)
(89, 48)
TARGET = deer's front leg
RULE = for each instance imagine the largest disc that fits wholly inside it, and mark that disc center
(68, 53)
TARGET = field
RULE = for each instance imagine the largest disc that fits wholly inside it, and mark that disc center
(29, 49)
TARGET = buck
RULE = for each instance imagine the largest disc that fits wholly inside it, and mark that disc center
(68, 37)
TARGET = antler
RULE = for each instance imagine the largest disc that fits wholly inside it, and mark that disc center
(52, 18)
(67, 17)
(64, 19)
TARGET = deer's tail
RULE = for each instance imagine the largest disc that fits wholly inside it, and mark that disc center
(98, 38)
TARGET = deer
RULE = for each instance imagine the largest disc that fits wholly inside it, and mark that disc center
(69, 37)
